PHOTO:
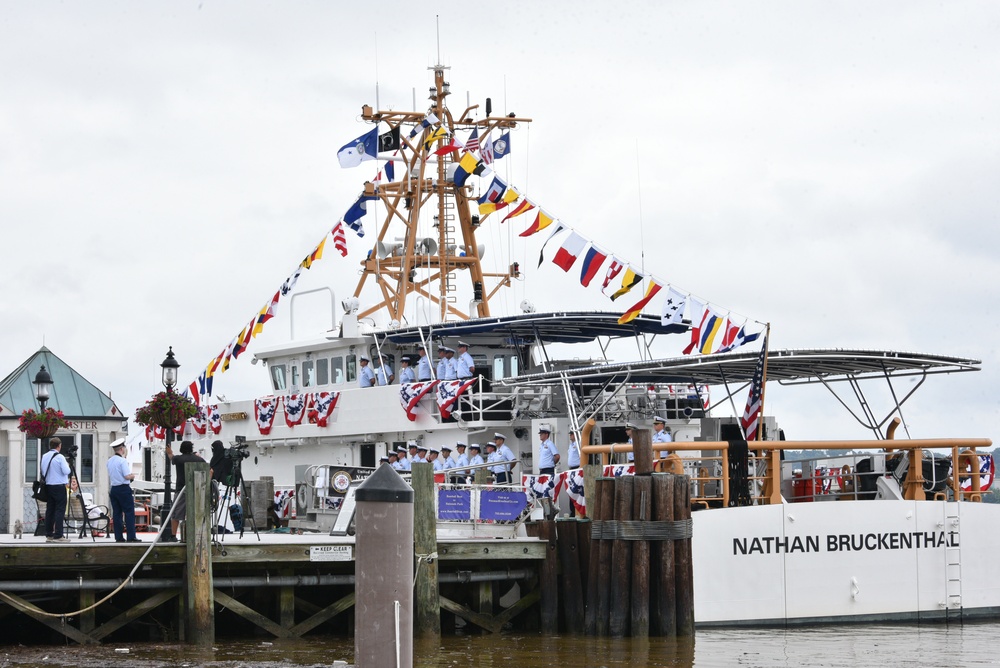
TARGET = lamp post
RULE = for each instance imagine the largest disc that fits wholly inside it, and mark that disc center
(168, 375)
(43, 383)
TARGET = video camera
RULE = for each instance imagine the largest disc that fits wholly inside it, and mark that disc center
(71, 451)
(239, 451)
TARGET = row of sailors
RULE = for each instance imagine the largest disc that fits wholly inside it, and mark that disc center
(497, 453)
(449, 367)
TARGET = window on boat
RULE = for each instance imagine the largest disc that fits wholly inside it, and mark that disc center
(308, 373)
(278, 377)
(505, 366)
(337, 367)
(498, 367)
(322, 371)
(295, 375)
(352, 368)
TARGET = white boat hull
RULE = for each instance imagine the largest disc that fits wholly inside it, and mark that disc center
(845, 561)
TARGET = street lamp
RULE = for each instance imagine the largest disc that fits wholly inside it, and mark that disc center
(168, 369)
(43, 383)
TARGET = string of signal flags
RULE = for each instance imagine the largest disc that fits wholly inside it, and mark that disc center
(710, 331)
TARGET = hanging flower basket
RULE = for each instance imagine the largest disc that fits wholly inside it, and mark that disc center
(43, 424)
(167, 410)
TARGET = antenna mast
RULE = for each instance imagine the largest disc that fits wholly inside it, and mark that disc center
(427, 260)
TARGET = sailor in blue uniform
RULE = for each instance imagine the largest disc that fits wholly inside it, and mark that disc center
(506, 453)
(548, 454)
(461, 461)
(366, 377)
(474, 459)
(451, 370)
(465, 367)
(405, 372)
(442, 365)
(423, 365)
(661, 435)
(404, 463)
(628, 432)
(385, 374)
(435, 458)
(421, 456)
(446, 459)
(499, 468)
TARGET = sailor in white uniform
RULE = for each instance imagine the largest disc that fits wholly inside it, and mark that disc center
(421, 457)
(435, 458)
(474, 459)
(366, 377)
(548, 454)
(447, 461)
(499, 470)
(423, 365)
(465, 367)
(402, 460)
(442, 365)
(405, 372)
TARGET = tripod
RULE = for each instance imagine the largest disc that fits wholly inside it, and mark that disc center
(235, 484)
(85, 524)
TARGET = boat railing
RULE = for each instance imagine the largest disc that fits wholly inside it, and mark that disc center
(707, 463)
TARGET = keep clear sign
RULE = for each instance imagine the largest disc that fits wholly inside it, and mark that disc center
(331, 553)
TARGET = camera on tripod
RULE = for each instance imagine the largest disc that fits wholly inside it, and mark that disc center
(71, 451)
(239, 451)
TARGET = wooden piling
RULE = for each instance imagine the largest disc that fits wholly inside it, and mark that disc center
(621, 560)
(427, 615)
(549, 584)
(572, 586)
(663, 609)
(595, 583)
(583, 526)
(641, 511)
(684, 575)
(199, 600)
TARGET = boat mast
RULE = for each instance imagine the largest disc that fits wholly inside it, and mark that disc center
(429, 266)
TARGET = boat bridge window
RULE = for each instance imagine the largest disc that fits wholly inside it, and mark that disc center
(322, 371)
(352, 368)
(278, 377)
(295, 375)
(337, 367)
(505, 366)
(308, 373)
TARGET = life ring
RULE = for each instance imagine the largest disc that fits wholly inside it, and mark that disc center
(987, 471)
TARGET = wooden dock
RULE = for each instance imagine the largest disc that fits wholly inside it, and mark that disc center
(281, 585)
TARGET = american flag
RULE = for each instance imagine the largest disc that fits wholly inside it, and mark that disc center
(751, 414)
(472, 143)
(339, 241)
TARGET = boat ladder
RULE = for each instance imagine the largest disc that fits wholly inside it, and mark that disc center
(346, 514)
(953, 559)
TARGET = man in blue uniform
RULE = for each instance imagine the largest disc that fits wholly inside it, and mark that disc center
(661, 435)
(548, 454)
(385, 374)
(366, 377)
(474, 459)
(461, 461)
(505, 453)
(465, 367)
(402, 460)
(451, 369)
(423, 365)
(120, 479)
(442, 365)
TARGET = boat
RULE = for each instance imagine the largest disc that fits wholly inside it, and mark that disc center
(906, 535)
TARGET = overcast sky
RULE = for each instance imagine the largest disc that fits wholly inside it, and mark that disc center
(830, 168)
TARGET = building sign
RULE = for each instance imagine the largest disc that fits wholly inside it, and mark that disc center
(454, 504)
(85, 425)
(845, 542)
(225, 417)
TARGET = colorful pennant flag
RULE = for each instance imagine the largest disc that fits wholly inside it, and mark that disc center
(592, 262)
(363, 148)
(542, 220)
(541, 253)
(523, 206)
(629, 281)
(636, 309)
(339, 240)
(467, 166)
(569, 251)
(312, 257)
(700, 310)
(673, 307)
(353, 216)
(435, 135)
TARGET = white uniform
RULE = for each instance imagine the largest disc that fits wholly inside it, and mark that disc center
(424, 368)
(464, 365)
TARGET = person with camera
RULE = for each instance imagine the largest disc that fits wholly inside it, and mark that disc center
(180, 505)
(120, 478)
(55, 472)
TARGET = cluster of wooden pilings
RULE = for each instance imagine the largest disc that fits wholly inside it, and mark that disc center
(626, 570)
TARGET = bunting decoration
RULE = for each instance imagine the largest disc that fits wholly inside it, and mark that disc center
(572, 482)
(448, 392)
(322, 407)
(264, 410)
(546, 486)
(410, 395)
(295, 408)
(214, 418)
(618, 470)
(199, 423)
